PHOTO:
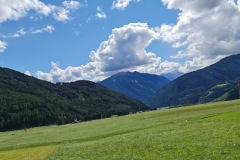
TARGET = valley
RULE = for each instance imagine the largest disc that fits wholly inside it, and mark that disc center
(120, 80)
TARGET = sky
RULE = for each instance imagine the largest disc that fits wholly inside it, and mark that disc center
(71, 40)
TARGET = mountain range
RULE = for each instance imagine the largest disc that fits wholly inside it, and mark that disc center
(26, 101)
(139, 86)
(213, 83)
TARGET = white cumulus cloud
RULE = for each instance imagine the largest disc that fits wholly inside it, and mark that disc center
(3, 46)
(122, 4)
(69, 74)
(14, 10)
(125, 50)
(28, 73)
(193, 5)
(125, 47)
(206, 31)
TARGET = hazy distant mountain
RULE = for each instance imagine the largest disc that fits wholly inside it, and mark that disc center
(216, 82)
(26, 101)
(140, 86)
(173, 75)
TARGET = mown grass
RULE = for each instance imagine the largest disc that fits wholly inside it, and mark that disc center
(210, 131)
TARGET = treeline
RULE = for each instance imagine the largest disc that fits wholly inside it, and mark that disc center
(239, 87)
(27, 102)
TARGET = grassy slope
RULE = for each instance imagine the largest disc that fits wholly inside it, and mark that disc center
(210, 131)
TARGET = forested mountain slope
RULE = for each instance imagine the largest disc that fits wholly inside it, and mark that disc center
(26, 101)
(140, 86)
(212, 83)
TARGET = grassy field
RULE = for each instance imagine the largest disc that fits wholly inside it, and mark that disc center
(210, 131)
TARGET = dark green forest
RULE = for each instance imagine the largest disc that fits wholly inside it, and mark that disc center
(216, 82)
(139, 86)
(27, 102)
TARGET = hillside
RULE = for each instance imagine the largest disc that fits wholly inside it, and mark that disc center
(26, 101)
(205, 85)
(139, 86)
(207, 132)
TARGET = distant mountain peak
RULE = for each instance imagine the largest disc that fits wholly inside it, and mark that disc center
(173, 75)
(140, 86)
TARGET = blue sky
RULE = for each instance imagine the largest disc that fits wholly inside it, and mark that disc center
(94, 39)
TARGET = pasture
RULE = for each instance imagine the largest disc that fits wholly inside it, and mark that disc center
(209, 131)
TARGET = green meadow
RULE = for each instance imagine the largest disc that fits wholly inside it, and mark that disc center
(210, 131)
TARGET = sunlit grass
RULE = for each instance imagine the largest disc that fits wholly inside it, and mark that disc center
(210, 131)
(34, 153)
